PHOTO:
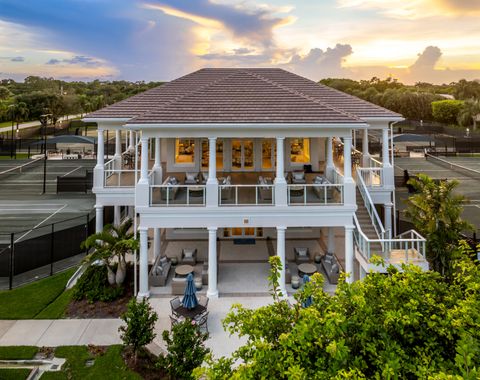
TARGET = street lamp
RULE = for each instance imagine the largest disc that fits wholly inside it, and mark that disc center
(44, 121)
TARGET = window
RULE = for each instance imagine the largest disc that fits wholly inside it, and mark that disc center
(269, 149)
(300, 151)
(184, 151)
(218, 156)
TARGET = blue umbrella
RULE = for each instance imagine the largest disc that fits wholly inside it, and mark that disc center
(190, 300)
(308, 302)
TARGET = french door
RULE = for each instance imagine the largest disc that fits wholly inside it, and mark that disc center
(243, 232)
(242, 155)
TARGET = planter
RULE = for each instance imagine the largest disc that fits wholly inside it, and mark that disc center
(295, 282)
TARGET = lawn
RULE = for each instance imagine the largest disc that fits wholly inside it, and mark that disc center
(17, 353)
(14, 374)
(20, 156)
(43, 299)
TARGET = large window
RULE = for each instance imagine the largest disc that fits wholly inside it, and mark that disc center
(218, 155)
(268, 154)
(300, 151)
(184, 151)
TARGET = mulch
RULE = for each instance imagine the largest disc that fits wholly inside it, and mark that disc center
(145, 365)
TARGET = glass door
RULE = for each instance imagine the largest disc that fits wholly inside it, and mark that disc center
(242, 155)
(239, 232)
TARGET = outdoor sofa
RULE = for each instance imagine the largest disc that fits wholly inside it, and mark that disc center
(159, 272)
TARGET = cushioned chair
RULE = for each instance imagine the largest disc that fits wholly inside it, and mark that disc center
(332, 267)
(226, 191)
(302, 255)
(265, 191)
(189, 256)
(191, 178)
(159, 272)
(298, 177)
(172, 191)
(178, 285)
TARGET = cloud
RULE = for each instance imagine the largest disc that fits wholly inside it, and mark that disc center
(427, 59)
(53, 61)
(14, 59)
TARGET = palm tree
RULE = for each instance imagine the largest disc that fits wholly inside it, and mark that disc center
(110, 246)
(469, 113)
(435, 212)
(22, 112)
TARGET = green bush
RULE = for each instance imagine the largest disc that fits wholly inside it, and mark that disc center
(93, 286)
(447, 111)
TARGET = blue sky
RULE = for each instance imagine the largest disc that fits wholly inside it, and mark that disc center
(428, 40)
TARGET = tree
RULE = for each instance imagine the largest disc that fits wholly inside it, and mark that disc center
(111, 245)
(435, 210)
(139, 326)
(5, 93)
(185, 350)
(400, 325)
(21, 112)
(469, 113)
(446, 111)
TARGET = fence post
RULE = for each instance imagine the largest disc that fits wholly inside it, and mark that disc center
(12, 256)
(52, 243)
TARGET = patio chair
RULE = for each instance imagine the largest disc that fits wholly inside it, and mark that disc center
(160, 270)
(189, 256)
(298, 177)
(191, 178)
(203, 301)
(227, 190)
(174, 320)
(175, 303)
(172, 191)
(178, 285)
(302, 255)
(265, 191)
(202, 321)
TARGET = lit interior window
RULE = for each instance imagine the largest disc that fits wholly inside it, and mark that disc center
(218, 155)
(300, 151)
(184, 151)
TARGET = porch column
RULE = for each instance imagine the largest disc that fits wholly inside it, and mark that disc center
(212, 291)
(144, 161)
(143, 291)
(388, 217)
(331, 240)
(157, 166)
(281, 255)
(365, 153)
(349, 252)
(212, 181)
(98, 180)
(385, 144)
(118, 149)
(131, 144)
(280, 181)
(142, 189)
(329, 167)
(98, 218)
(116, 216)
(388, 178)
(349, 184)
(157, 241)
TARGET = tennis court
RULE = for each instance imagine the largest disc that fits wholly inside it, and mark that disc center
(466, 170)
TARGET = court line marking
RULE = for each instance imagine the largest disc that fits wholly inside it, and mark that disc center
(43, 221)
(71, 171)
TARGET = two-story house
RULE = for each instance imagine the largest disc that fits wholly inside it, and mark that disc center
(231, 153)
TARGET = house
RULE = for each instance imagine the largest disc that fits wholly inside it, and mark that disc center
(253, 153)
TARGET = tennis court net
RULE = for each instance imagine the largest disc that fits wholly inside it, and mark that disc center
(23, 167)
(469, 172)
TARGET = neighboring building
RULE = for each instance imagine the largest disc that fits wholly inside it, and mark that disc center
(264, 140)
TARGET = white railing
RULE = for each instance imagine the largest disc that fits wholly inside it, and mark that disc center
(315, 194)
(114, 177)
(374, 163)
(372, 177)
(177, 195)
(246, 195)
(370, 206)
(408, 247)
(337, 177)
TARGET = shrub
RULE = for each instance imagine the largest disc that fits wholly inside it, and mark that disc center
(139, 324)
(447, 111)
(93, 286)
(185, 350)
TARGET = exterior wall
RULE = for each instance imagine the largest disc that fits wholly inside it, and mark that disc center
(202, 233)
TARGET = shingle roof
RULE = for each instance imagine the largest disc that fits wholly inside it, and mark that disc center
(242, 96)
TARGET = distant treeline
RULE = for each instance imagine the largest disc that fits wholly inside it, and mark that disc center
(457, 102)
(21, 101)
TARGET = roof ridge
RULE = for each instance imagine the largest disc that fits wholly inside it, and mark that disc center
(303, 95)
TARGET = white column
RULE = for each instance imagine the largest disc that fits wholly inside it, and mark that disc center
(388, 217)
(98, 180)
(98, 218)
(116, 216)
(212, 291)
(329, 167)
(212, 160)
(385, 144)
(144, 161)
(331, 240)
(280, 181)
(281, 255)
(157, 166)
(365, 153)
(131, 144)
(143, 291)
(349, 184)
(118, 143)
(156, 242)
(349, 252)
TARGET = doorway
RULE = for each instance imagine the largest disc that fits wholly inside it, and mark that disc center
(242, 155)
(243, 232)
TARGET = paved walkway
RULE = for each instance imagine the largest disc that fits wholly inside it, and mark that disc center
(62, 332)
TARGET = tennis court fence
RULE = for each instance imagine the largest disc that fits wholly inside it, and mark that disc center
(29, 255)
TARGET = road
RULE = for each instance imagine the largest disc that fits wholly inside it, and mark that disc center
(34, 123)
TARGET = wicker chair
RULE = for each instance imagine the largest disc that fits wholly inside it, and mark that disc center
(203, 301)
(175, 303)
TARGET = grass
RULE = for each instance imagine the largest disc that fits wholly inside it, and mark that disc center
(5, 124)
(20, 156)
(14, 374)
(17, 353)
(107, 365)
(44, 298)
(56, 309)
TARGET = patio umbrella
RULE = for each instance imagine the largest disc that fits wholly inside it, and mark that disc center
(308, 302)
(190, 300)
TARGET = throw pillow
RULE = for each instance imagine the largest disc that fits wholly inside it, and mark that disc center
(302, 252)
(188, 253)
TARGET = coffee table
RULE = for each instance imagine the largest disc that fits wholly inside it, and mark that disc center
(307, 269)
(183, 270)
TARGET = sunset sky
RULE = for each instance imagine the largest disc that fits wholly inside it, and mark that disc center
(412, 40)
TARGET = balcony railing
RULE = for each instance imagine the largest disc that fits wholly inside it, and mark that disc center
(372, 177)
(315, 194)
(114, 177)
(246, 195)
(177, 195)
